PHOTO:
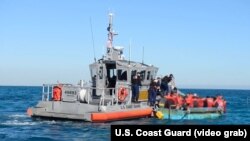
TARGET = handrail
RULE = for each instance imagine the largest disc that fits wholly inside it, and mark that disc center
(47, 93)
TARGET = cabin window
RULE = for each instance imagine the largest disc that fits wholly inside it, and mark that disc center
(93, 72)
(122, 74)
(143, 73)
(100, 72)
(148, 75)
(133, 73)
(111, 73)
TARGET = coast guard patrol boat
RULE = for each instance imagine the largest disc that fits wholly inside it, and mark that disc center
(108, 97)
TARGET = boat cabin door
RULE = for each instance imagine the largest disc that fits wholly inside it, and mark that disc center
(99, 79)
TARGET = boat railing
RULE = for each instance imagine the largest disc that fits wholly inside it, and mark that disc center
(107, 98)
(105, 94)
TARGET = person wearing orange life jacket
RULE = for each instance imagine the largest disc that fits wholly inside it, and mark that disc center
(219, 102)
(195, 100)
(189, 101)
(201, 102)
(210, 102)
(180, 101)
(171, 100)
(175, 98)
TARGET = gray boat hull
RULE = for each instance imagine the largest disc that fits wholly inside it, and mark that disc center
(84, 111)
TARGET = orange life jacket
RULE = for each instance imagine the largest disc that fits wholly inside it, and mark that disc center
(210, 102)
(200, 102)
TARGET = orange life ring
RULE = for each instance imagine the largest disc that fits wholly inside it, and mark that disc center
(122, 94)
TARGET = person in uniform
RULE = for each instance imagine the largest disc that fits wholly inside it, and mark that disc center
(136, 83)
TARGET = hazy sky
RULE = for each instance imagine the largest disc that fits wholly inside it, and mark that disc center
(204, 43)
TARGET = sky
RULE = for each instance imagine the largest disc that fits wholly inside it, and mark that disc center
(205, 44)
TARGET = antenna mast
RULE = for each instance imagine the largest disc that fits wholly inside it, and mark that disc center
(129, 50)
(93, 43)
(143, 55)
(110, 33)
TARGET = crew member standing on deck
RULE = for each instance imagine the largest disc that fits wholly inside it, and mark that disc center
(152, 91)
(171, 83)
(136, 83)
(164, 85)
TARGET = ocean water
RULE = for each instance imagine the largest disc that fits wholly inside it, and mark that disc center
(16, 125)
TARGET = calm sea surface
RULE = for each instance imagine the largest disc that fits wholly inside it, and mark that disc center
(16, 125)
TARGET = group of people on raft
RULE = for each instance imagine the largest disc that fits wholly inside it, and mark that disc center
(177, 101)
(164, 91)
